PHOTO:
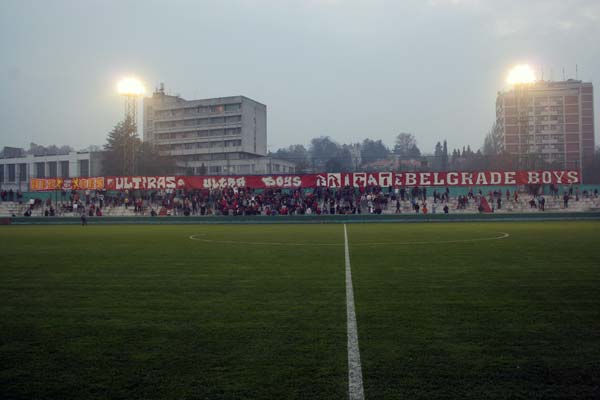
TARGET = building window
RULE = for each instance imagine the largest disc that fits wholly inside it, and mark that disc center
(22, 172)
(232, 107)
(162, 125)
(214, 169)
(233, 143)
(12, 172)
(40, 170)
(1, 173)
(243, 169)
(52, 169)
(217, 132)
(64, 169)
(84, 168)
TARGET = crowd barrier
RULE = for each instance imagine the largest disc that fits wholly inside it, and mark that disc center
(308, 219)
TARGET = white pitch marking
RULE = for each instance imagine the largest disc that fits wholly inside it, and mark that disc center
(193, 237)
(355, 381)
(503, 235)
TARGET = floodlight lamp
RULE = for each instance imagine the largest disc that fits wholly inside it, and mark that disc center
(130, 87)
(520, 75)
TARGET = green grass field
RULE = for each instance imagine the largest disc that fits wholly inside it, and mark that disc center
(259, 311)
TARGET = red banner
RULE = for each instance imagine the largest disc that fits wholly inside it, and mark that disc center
(46, 184)
(331, 180)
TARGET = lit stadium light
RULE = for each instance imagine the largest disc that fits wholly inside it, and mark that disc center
(130, 87)
(520, 74)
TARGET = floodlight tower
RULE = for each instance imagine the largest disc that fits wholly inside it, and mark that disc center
(131, 89)
(130, 106)
(521, 77)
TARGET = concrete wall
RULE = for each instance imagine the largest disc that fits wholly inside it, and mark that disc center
(254, 127)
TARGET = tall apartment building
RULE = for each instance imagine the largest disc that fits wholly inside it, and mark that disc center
(549, 121)
(226, 135)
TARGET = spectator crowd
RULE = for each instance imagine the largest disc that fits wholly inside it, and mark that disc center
(248, 201)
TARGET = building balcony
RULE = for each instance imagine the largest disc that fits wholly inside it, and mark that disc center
(171, 118)
(197, 139)
(550, 141)
(192, 128)
(199, 151)
(550, 151)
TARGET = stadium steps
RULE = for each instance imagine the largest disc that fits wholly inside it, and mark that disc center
(120, 211)
(8, 208)
(521, 206)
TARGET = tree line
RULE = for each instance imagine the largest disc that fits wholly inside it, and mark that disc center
(323, 153)
(126, 154)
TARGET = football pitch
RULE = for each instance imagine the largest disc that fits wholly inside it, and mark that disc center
(442, 310)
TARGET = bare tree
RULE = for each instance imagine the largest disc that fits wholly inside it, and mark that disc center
(406, 146)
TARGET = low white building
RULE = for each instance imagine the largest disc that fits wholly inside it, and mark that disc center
(16, 169)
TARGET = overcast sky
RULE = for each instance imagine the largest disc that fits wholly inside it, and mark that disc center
(348, 69)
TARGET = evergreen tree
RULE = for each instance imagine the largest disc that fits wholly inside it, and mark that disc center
(406, 146)
(149, 161)
(445, 156)
(437, 157)
(125, 154)
(120, 147)
(295, 153)
(373, 150)
(438, 150)
(322, 150)
(493, 144)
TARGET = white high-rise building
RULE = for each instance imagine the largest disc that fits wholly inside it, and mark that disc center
(225, 135)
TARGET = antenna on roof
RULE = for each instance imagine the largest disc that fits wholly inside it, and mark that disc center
(542, 72)
(564, 78)
(576, 72)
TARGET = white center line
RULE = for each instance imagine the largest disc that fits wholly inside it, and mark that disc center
(355, 381)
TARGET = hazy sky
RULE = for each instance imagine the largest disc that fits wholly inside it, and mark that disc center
(348, 69)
